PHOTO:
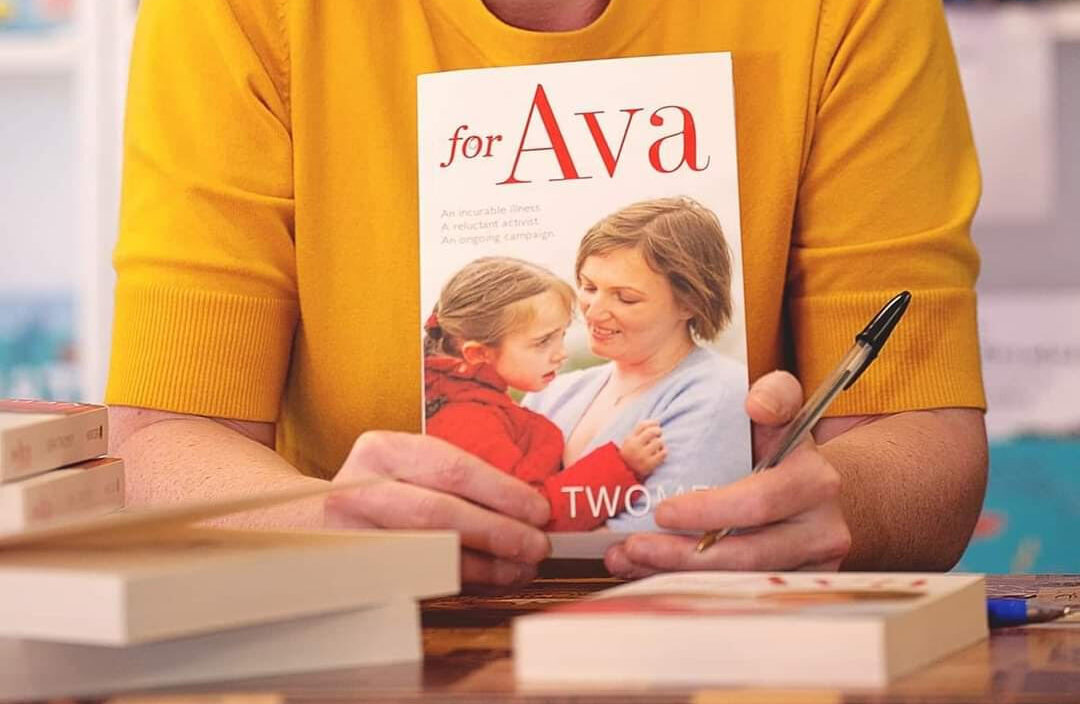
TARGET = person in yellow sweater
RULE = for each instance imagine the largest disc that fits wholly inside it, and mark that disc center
(266, 300)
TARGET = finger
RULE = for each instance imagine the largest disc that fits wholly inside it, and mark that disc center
(783, 546)
(804, 480)
(410, 507)
(618, 564)
(646, 436)
(335, 516)
(642, 425)
(436, 464)
(774, 399)
(477, 568)
(652, 434)
(820, 542)
(658, 552)
(828, 566)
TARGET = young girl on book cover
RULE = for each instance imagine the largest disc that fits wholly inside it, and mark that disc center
(499, 324)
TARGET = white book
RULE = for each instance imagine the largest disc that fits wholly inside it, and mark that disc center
(144, 585)
(720, 628)
(520, 163)
(36, 436)
(375, 636)
(90, 488)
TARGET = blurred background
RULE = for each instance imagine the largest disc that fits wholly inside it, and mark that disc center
(63, 66)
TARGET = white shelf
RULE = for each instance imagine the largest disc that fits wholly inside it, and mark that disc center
(33, 55)
(1067, 22)
(1059, 20)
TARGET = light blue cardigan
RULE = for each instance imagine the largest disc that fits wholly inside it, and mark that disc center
(700, 408)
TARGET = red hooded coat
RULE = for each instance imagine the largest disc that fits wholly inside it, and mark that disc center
(469, 407)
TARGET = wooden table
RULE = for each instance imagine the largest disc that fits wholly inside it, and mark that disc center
(467, 646)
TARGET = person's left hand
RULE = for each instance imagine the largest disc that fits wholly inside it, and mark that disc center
(794, 508)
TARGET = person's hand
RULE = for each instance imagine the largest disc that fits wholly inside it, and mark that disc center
(643, 448)
(435, 485)
(794, 508)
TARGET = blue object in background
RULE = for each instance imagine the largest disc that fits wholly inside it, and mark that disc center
(34, 15)
(1031, 516)
(38, 356)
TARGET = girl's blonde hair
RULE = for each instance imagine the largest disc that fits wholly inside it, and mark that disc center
(681, 239)
(484, 301)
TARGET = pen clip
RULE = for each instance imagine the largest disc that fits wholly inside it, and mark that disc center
(878, 330)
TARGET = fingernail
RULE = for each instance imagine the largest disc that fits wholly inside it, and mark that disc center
(766, 401)
(639, 551)
(525, 573)
(511, 545)
(664, 514)
(506, 572)
(539, 546)
(539, 511)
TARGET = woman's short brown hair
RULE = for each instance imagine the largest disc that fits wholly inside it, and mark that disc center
(681, 239)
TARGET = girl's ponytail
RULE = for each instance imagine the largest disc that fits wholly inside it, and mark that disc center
(433, 334)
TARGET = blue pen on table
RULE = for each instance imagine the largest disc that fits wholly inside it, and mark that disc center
(1004, 613)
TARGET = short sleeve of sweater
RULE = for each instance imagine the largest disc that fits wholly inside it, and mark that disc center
(206, 292)
(889, 187)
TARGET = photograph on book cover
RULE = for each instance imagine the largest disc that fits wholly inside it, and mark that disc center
(581, 283)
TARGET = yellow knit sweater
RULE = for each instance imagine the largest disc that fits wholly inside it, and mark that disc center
(267, 260)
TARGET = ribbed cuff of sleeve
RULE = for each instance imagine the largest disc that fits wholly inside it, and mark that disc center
(930, 361)
(198, 352)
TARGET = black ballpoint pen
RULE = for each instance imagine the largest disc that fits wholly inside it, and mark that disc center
(867, 345)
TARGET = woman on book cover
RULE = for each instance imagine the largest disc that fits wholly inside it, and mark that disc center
(500, 323)
(654, 281)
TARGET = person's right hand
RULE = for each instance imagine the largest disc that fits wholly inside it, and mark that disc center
(643, 449)
(436, 485)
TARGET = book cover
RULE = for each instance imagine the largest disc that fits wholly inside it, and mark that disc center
(383, 640)
(133, 587)
(581, 282)
(821, 629)
(36, 436)
(144, 522)
(90, 488)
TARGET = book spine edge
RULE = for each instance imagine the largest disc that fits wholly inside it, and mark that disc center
(84, 492)
(53, 444)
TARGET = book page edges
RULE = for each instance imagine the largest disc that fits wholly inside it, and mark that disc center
(144, 593)
(160, 519)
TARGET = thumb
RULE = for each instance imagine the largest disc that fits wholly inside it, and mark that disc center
(773, 400)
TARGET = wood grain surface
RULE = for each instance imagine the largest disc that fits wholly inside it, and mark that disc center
(468, 658)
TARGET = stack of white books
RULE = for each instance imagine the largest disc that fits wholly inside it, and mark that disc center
(52, 467)
(147, 599)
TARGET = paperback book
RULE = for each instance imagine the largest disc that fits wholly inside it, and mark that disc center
(90, 488)
(583, 324)
(144, 598)
(381, 635)
(793, 629)
(36, 436)
(148, 575)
